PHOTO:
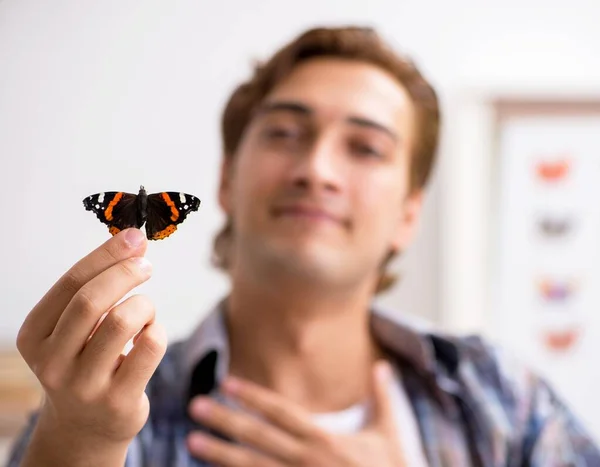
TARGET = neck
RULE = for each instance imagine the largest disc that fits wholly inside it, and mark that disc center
(314, 348)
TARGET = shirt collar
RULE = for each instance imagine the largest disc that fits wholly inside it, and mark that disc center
(206, 351)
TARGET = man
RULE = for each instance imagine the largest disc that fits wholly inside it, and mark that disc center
(327, 150)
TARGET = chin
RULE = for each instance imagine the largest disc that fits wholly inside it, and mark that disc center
(321, 264)
(310, 256)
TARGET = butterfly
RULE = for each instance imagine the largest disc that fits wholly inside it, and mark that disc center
(161, 212)
(556, 291)
(552, 171)
(560, 340)
(554, 227)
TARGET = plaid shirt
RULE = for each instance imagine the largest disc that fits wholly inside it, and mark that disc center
(474, 406)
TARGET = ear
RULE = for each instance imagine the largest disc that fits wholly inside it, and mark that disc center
(408, 221)
(225, 184)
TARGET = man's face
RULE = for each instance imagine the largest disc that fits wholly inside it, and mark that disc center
(319, 184)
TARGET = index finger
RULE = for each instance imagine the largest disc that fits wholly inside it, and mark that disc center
(42, 319)
(382, 410)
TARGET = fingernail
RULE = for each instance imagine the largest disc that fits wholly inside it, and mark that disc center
(231, 384)
(201, 407)
(134, 237)
(143, 264)
(383, 371)
(196, 441)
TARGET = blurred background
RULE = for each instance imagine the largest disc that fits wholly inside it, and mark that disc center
(111, 95)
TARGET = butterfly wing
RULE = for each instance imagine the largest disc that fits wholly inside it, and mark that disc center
(116, 209)
(166, 210)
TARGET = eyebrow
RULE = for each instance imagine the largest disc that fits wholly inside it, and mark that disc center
(304, 110)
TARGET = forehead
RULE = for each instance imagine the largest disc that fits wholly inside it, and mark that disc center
(335, 88)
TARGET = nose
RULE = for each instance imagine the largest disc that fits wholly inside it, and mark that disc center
(319, 167)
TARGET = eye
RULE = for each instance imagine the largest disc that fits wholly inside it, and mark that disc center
(365, 150)
(281, 133)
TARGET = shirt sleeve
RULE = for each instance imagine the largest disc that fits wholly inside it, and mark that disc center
(542, 430)
(555, 436)
(19, 446)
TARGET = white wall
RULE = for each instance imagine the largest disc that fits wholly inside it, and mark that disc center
(108, 95)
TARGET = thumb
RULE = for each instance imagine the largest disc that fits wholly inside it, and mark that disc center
(382, 417)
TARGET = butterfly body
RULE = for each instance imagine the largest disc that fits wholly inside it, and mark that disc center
(160, 212)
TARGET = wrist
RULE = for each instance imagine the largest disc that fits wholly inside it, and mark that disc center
(52, 445)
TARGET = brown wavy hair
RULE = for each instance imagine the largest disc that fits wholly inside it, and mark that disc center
(353, 43)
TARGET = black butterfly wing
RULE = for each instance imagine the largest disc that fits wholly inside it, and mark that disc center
(166, 210)
(116, 209)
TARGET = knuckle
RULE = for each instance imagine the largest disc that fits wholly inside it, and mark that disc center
(154, 348)
(155, 341)
(70, 282)
(124, 404)
(23, 340)
(84, 303)
(50, 376)
(82, 393)
(116, 405)
(119, 322)
(109, 254)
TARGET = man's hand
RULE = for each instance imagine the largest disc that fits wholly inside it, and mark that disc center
(283, 434)
(73, 341)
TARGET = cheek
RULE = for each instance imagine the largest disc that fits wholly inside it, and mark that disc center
(256, 178)
(379, 204)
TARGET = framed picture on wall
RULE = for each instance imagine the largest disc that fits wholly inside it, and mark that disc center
(545, 271)
(523, 246)
(547, 224)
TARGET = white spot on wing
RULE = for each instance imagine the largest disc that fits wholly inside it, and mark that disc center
(185, 207)
(97, 206)
(101, 198)
(182, 198)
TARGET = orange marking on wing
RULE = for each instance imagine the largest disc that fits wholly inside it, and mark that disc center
(171, 204)
(114, 230)
(165, 232)
(111, 205)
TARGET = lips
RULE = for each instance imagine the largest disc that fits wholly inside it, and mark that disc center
(308, 212)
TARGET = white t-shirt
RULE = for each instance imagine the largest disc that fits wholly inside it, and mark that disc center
(212, 335)
(353, 419)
